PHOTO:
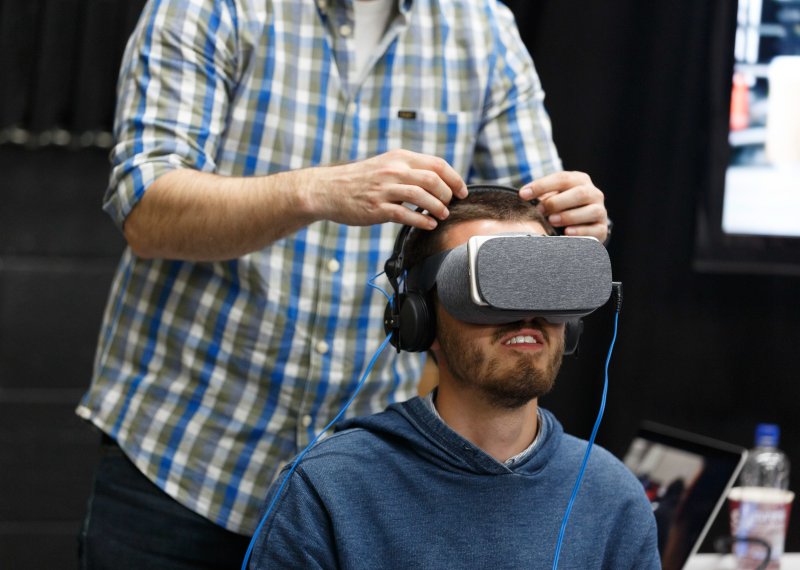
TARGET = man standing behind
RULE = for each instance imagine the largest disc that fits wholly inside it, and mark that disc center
(261, 147)
(475, 475)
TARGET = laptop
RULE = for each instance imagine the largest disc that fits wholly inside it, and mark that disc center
(687, 478)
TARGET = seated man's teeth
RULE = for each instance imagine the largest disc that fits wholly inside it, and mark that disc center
(521, 339)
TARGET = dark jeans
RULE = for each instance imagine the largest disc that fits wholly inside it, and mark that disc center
(132, 524)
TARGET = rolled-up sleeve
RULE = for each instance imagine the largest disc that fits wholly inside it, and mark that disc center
(175, 84)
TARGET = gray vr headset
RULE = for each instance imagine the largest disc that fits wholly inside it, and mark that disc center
(498, 279)
(505, 278)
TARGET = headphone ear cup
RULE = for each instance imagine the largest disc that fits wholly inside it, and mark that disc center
(417, 326)
(572, 335)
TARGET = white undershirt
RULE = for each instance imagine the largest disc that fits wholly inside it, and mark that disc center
(371, 18)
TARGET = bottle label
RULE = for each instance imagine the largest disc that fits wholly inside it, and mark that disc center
(762, 514)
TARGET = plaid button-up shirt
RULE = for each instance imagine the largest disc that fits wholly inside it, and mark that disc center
(211, 375)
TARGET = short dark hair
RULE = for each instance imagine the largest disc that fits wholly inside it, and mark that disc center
(478, 205)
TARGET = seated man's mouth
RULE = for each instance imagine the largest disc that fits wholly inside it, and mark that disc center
(524, 338)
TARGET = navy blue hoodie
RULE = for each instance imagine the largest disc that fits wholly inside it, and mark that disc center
(400, 489)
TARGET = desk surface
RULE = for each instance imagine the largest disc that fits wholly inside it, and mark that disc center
(790, 561)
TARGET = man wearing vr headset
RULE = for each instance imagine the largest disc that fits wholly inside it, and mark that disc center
(476, 474)
(261, 148)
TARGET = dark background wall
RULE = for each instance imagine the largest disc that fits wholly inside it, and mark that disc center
(58, 250)
(627, 90)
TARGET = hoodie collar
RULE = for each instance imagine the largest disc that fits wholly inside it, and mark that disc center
(413, 424)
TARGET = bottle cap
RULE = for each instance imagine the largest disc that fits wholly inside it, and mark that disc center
(767, 435)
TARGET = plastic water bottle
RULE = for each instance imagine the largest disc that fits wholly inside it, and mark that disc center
(766, 465)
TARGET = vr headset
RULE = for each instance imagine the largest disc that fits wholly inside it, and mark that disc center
(498, 279)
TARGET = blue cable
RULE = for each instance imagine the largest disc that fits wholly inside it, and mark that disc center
(371, 283)
(588, 448)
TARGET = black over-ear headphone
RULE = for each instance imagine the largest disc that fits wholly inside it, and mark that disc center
(410, 316)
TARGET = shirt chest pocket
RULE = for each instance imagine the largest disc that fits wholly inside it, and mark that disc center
(450, 136)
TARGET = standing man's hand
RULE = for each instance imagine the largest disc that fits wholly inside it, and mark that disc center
(571, 201)
(374, 190)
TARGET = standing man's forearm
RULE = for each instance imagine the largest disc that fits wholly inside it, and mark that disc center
(199, 216)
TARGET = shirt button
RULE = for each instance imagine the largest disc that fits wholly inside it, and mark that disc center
(333, 266)
(306, 420)
(345, 30)
(322, 347)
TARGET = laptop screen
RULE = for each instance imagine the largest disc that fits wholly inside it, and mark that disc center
(687, 478)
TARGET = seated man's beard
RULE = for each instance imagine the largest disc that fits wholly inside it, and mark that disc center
(508, 383)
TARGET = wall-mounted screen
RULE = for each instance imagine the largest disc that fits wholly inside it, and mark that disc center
(751, 219)
(762, 181)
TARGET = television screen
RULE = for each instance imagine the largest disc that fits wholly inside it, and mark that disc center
(751, 222)
(764, 122)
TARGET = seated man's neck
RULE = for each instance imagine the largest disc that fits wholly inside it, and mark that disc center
(500, 432)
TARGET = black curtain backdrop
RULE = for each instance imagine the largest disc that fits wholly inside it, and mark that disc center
(59, 61)
(628, 88)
